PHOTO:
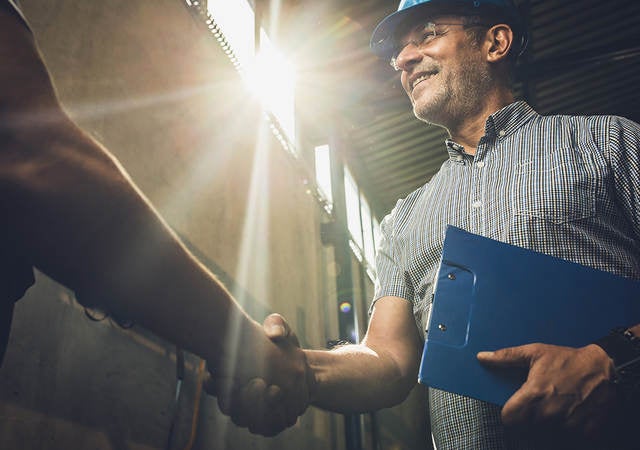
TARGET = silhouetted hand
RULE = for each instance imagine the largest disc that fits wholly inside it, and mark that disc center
(269, 390)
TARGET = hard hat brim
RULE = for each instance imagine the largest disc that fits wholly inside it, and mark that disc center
(382, 40)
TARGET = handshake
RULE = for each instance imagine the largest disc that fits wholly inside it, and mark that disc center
(263, 381)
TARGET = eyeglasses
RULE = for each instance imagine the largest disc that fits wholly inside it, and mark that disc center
(427, 32)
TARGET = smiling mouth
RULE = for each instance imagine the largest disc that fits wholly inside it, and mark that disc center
(421, 78)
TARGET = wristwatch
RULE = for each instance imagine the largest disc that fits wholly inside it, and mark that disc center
(623, 347)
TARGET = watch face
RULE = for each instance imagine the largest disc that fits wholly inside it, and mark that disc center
(622, 347)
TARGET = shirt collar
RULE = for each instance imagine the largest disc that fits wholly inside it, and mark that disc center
(507, 120)
(456, 151)
(500, 124)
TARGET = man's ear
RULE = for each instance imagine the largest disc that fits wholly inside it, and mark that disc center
(499, 42)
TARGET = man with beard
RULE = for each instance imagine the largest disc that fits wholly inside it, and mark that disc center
(69, 209)
(563, 185)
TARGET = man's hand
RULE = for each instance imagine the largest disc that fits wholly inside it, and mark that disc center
(566, 388)
(269, 390)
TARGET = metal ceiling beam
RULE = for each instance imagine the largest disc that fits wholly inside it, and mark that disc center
(547, 67)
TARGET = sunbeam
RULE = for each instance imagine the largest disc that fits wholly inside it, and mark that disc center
(252, 271)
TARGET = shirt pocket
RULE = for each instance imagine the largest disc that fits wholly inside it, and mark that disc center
(558, 187)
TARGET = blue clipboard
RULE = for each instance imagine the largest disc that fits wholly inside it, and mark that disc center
(491, 295)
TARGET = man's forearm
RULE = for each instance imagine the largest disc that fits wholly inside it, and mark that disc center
(355, 378)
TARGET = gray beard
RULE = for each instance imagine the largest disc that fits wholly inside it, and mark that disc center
(459, 102)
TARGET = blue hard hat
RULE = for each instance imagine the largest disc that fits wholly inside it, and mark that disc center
(382, 39)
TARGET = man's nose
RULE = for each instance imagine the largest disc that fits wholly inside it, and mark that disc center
(408, 57)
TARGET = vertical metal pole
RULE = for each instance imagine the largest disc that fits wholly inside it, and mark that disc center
(347, 322)
(340, 241)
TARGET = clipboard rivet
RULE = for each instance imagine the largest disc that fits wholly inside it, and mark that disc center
(442, 327)
(451, 276)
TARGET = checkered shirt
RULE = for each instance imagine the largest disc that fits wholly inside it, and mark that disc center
(567, 186)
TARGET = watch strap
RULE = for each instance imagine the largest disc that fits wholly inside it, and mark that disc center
(622, 346)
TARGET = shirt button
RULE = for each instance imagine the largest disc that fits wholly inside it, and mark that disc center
(476, 204)
(502, 133)
(480, 164)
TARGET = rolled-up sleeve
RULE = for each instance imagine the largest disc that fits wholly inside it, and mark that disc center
(392, 277)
